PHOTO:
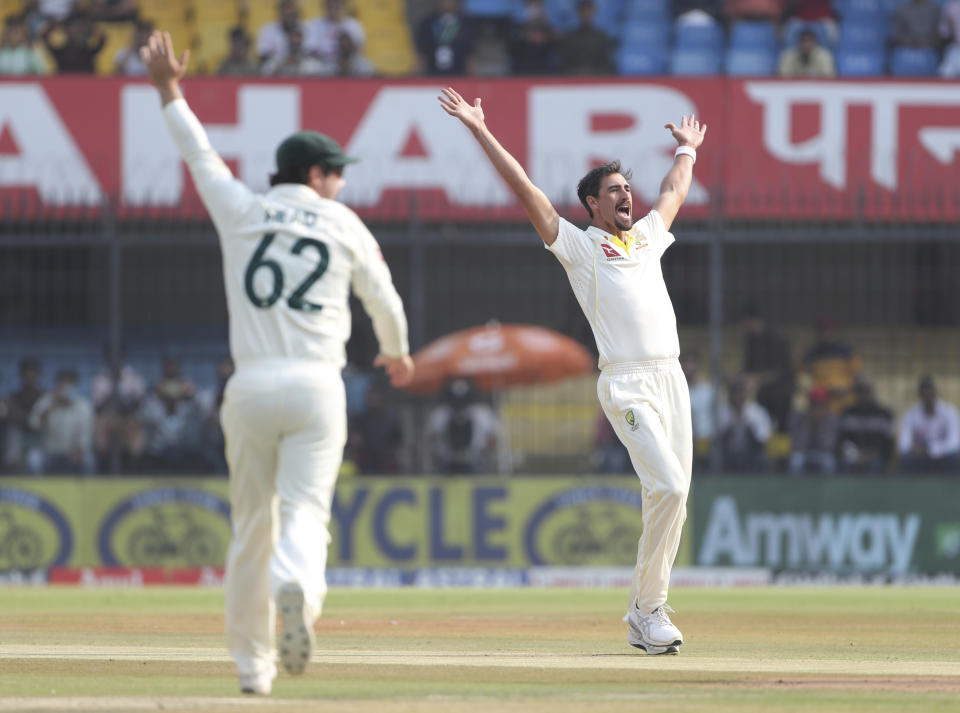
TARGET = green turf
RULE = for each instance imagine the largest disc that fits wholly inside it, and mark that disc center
(777, 649)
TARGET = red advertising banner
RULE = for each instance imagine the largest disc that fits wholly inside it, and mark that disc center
(799, 150)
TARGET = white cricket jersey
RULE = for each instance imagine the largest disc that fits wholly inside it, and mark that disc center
(290, 258)
(621, 291)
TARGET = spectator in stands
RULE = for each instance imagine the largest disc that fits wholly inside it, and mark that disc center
(296, 62)
(444, 40)
(743, 429)
(238, 62)
(586, 49)
(171, 422)
(19, 57)
(697, 12)
(21, 436)
(533, 44)
(463, 431)
(376, 435)
(79, 47)
(813, 435)
(930, 434)
(812, 14)
(272, 42)
(337, 41)
(113, 10)
(38, 14)
(127, 59)
(209, 402)
(64, 420)
(765, 10)
(768, 367)
(832, 364)
(117, 396)
(703, 404)
(866, 432)
(807, 58)
(916, 24)
(950, 31)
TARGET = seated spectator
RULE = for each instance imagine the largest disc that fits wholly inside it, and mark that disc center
(463, 432)
(533, 43)
(586, 49)
(337, 41)
(209, 402)
(127, 59)
(813, 436)
(19, 57)
(703, 398)
(609, 454)
(444, 40)
(113, 10)
(117, 396)
(767, 10)
(697, 12)
(866, 432)
(272, 42)
(238, 62)
(376, 435)
(768, 367)
(296, 62)
(743, 429)
(4, 421)
(832, 364)
(916, 24)
(950, 31)
(64, 420)
(79, 46)
(930, 434)
(21, 436)
(807, 59)
(171, 422)
(819, 13)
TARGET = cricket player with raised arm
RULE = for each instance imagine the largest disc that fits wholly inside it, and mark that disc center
(614, 270)
(290, 257)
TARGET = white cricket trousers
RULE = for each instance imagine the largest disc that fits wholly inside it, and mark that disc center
(284, 423)
(648, 404)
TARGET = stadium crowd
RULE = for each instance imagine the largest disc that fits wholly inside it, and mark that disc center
(760, 422)
(790, 38)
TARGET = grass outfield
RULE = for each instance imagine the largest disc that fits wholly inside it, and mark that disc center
(530, 650)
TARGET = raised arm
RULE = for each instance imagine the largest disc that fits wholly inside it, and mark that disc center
(676, 184)
(225, 198)
(541, 213)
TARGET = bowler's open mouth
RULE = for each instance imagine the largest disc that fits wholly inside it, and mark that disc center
(624, 209)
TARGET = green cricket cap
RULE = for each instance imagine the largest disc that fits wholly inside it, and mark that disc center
(308, 148)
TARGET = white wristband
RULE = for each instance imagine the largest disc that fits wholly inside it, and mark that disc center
(686, 151)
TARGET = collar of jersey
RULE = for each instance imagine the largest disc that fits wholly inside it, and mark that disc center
(295, 191)
(600, 233)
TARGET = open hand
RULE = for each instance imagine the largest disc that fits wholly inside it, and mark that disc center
(455, 105)
(399, 369)
(163, 67)
(689, 133)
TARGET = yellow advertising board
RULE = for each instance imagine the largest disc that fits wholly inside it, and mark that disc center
(403, 523)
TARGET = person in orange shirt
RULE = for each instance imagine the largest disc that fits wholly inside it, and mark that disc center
(832, 364)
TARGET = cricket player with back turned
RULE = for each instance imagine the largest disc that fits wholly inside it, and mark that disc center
(290, 257)
(614, 270)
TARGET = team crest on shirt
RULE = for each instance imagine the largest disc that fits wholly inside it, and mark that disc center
(632, 420)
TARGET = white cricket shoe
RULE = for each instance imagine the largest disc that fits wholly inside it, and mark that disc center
(653, 632)
(296, 629)
(258, 684)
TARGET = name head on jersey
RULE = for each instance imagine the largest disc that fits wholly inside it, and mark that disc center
(310, 148)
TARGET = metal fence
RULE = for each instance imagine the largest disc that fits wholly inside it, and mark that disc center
(76, 291)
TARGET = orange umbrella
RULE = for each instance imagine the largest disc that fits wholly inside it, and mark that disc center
(499, 355)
